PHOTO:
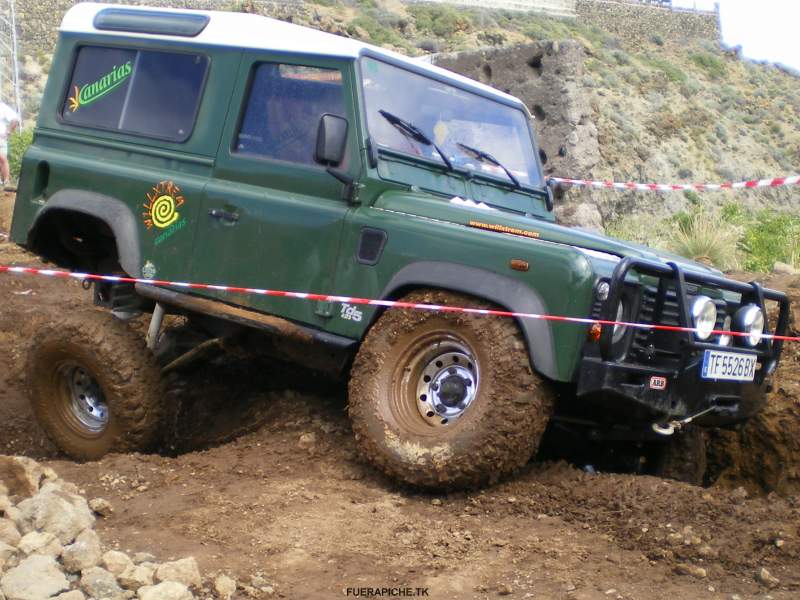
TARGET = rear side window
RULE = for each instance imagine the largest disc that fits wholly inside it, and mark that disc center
(142, 92)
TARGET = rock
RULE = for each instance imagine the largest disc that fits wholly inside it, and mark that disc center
(56, 511)
(183, 571)
(766, 578)
(35, 578)
(6, 552)
(167, 590)
(783, 269)
(739, 495)
(41, 542)
(83, 554)
(307, 441)
(9, 533)
(691, 570)
(116, 562)
(100, 584)
(504, 590)
(143, 557)
(583, 215)
(73, 595)
(225, 587)
(136, 577)
(21, 475)
(101, 506)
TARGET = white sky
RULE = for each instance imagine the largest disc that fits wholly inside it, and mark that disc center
(766, 29)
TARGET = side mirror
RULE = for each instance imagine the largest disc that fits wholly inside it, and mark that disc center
(331, 140)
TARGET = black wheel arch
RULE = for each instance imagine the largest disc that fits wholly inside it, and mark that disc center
(487, 285)
(80, 210)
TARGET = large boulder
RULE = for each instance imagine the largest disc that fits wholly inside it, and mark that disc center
(83, 554)
(9, 533)
(167, 590)
(136, 577)
(35, 578)
(101, 585)
(116, 562)
(22, 476)
(41, 542)
(183, 571)
(56, 511)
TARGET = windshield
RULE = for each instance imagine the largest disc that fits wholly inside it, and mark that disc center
(451, 117)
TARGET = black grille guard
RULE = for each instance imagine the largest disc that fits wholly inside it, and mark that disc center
(751, 293)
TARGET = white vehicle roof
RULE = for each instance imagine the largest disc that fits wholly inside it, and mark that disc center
(244, 30)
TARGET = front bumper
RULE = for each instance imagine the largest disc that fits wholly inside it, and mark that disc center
(656, 376)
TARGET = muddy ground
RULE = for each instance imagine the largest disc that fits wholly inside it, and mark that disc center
(262, 478)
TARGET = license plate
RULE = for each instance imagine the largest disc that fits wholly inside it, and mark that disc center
(729, 366)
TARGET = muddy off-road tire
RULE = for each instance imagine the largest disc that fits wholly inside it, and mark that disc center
(683, 457)
(93, 385)
(445, 400)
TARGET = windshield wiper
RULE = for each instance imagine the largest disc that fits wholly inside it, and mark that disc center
(410, 130)
(486, 157)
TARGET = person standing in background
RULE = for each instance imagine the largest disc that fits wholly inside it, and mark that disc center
(9, 121)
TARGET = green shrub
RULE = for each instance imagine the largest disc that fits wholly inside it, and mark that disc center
(771, 236)
(713, 65)
(673, 73)
(18, 143)
(706, 238)
(441, 20)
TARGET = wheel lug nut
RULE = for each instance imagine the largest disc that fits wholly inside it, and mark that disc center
(434, 386)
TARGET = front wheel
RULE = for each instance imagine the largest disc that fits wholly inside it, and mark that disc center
(446, 400)
(93, 385)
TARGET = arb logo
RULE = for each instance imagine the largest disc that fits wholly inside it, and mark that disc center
(658, 383)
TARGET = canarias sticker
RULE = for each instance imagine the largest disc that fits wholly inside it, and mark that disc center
(90, 92)
(161, 212)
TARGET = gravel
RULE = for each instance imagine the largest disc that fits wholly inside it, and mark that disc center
(50, 550)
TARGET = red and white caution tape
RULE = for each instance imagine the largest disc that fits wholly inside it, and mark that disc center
(676, 187)
(368, 301)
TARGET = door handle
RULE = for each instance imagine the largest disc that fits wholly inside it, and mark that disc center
(223, 215)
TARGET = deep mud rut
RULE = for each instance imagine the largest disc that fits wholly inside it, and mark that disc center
(264, 478)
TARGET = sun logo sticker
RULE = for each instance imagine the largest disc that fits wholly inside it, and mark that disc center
(161, 212)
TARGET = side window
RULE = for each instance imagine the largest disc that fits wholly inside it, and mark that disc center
(283, 110)
(143, 92)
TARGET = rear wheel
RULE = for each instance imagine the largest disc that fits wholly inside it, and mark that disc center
(93, 385)
(446, 400)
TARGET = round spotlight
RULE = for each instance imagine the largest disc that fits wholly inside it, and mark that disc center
(704, 315)
(749, 319)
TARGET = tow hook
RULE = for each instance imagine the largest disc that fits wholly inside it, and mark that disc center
(670, 427)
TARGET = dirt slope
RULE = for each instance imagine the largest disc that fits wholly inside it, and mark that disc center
(264, 480)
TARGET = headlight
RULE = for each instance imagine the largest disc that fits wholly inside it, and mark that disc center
(749, 319)
(704, 315)
(619, 330)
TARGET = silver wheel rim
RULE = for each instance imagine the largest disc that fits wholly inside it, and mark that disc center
(447, 386)
(87, 404)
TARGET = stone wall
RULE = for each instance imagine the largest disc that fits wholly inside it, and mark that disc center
(556, 8)
(635, 22)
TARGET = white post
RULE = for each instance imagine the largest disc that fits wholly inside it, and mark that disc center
(15, 59)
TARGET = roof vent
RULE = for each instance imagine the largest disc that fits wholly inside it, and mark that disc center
(150, 21)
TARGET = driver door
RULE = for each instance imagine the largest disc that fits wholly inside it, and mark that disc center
(272, 217)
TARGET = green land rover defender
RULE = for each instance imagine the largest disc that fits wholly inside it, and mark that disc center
(237, 150)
